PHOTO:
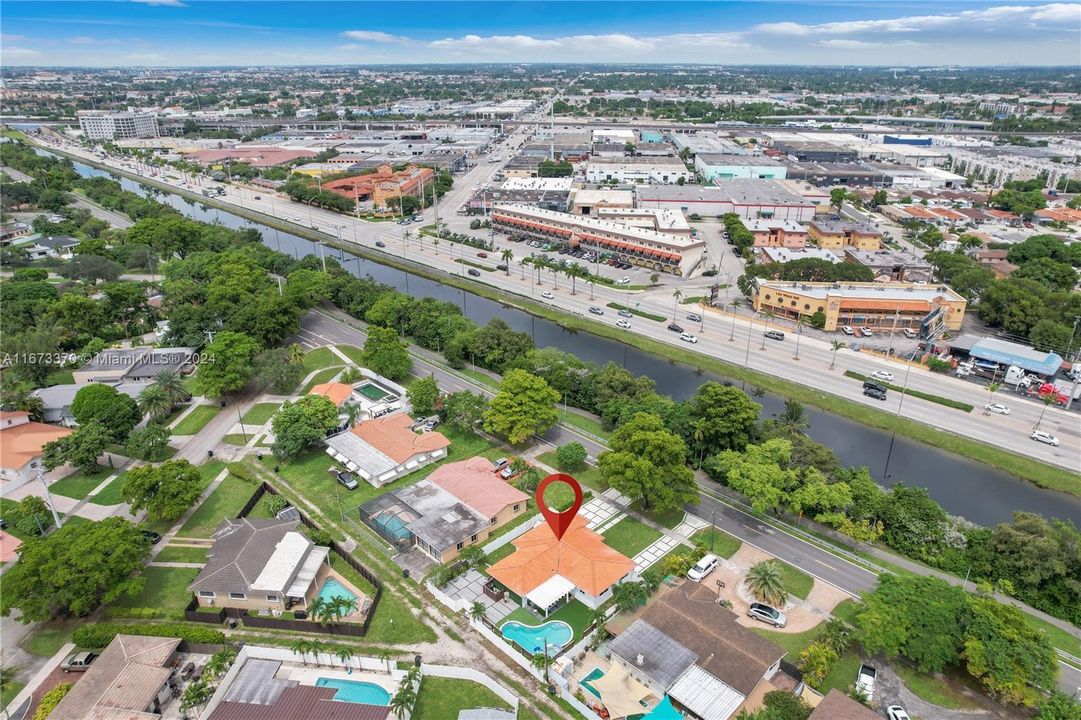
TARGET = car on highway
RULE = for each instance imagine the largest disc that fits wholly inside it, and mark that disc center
(872, 391)
(380, 243)
(767, 614)
(688, 338)
(78, 662)
(866, 332)
(626, 313)
(547, 295)
(1044, 437)
(703, 567)
(675, 328)
(847, 330)
(774, 334)
(623, 281)
(694, 317)
(474, 272)
(296, 218)
(623, 324)
(482, 254)
(865, 681)
(501, 266)
(594, 310)
(896, 712)
(882, 375)
(997, 408)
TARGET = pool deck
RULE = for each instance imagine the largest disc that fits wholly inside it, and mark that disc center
(309, 676)
(362, 597)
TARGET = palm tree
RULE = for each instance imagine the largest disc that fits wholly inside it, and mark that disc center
(835, 346)
(384, 657)
(300, 647)
(542, 662)
(1047, 399)
(794, 418)
(296, 354)
(555, 269)
(507, 255)
(407, 236)
(342, 606)
(765, 582)
(173, 386)
(318, 609)
(154, 402)
(629, 595)
(576, 271)
(734, 304)
(676, 297)
(345, 654)
(992, 388)
(476, 612)
(767, 315)
(521, 264)
(403, 700)
(435, 244)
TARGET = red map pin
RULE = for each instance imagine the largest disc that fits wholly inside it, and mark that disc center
(560, 522)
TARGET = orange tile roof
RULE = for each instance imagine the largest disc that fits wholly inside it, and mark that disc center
(8, 545)
(337, 393)
(393, 436)
(19, 444)
(581, 557)
(474, 483)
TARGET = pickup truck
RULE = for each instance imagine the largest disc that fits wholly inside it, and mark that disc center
(865, 681)
(78, 662)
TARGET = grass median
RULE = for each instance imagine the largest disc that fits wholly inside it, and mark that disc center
(955, 404)
(637, 313)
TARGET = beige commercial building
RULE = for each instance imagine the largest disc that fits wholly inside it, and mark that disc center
(835, 234)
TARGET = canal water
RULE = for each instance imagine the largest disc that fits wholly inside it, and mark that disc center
(963, 487)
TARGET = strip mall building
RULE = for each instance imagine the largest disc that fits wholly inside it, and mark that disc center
(659, 251)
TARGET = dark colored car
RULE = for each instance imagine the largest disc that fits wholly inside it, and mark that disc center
(501, 266)
(151, 536)
(874, 392)
(474, 272)
(380, 243)
(675, 328)
(346, 480)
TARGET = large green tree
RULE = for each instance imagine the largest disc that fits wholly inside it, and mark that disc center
(423, 394)
(74, 570)
(80, 449)
(228, 364)
(761, 473)
(464, 410)
(300, 425)
(277, 369)
(727, 417)
(1006, 653)
(386, 354)
(524, 406)
(117, 412)
(647, 462)
(167, 491)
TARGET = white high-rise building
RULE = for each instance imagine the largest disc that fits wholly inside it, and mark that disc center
(99, 125)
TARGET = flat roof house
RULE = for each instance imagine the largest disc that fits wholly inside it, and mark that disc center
(137, 364)
(546, 571)
(385, 448)
(637, 170)
(835, 234)
(130, 680)
(458, 505)
(258, 564)
(21, 441)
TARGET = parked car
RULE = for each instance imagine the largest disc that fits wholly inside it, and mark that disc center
(500, 463)
(694, 317)
(866, 332)
(594, 310)
(431, 423)
(507, 473)
(688, 338)
(482, 254)
(1044, 437)
(703, 567)
(623, 323)
(997, 408)
(865, 681)
(847, 330)
(547, 295)
(474, 272)
(78, 662)
(346, 479)
(380, 244)
(774, 334)
(151, 536)
(767, 614)
(911, 335)
(896, 712)
(675, 328)
(882, 375)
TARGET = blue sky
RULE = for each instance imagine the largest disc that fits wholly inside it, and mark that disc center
(198, 32)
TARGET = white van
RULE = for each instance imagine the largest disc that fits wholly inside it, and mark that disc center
(703, 567)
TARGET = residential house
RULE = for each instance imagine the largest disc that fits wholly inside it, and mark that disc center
(458, 505)
(261, 565)
(137, 364)
(21, 441)
(996, 262)
(59, 246)
(383, 449)
(132, 679)
(14, 231)
(546, 571)
(691, 648)
(834, 234)
(56, 400)
(838, 706)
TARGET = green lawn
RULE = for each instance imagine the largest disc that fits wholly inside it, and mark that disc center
(49, 637)
(11, 689)
(180, 553)
(225, 502)
(946, 690)
(843, 674)
(575, 614)
(443, 698)
(640, 313)
(165, 589)
(238, 439)
(796, 582)
(630, 537)
(196, 420)
(582, 422)
(323, 376)
(846, 610)
(668, 519)
(260, 413)
(587, 474)
(319, 358)
(718, 542)
(499, 553)
(110, 494)
(353, 353)
(78, 485)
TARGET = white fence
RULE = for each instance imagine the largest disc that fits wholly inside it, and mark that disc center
(512, 535)
(461, 673)
(457, 605)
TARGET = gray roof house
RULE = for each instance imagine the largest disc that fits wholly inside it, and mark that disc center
(262, 564)
(133, 364)
(57, 399)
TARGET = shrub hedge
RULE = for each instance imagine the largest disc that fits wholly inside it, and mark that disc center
(101, 634)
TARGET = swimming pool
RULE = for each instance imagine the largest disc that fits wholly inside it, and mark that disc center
(594, 674)
(332, 589)
(372, 392)
(393, 526)
(532, 637)
(356, 691)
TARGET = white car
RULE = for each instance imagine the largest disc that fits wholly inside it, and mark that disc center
(623, 281)
(882, 375)
(998, 408)
(688, 338)
(865, 681)
(296, 218)
(623, 323)
(547, 295)
(703, 567)
(1044, 437)
(847, 330)
(896, 712)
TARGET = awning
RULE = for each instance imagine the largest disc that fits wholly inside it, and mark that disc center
(705, 696)
(551, 591)
(304, 577)
(621, 693)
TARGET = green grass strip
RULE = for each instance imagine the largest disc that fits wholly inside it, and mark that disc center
(955, 404)
(639, 313)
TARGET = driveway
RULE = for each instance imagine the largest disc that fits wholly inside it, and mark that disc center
(890, 690)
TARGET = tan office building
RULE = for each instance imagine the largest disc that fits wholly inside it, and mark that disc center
(835, 234)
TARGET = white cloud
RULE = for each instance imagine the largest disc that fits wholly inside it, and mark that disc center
(851, 44)
(1001, 15)
(375, 36)
(12, 38)
(494, 42)
(610, 47)
(10, 52)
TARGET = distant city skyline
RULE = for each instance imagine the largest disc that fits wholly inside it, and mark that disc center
(178, 33)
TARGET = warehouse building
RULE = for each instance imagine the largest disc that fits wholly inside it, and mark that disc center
(749, 199)
(662, 219)
(584, 201)
(638, 170)
(930, 309)
(816, 151)
(658, 251)
(705, 143)
(730, 167)
(830, 174)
